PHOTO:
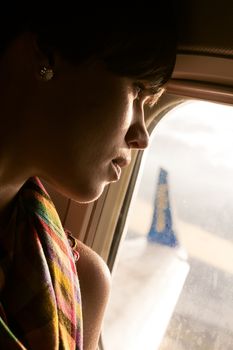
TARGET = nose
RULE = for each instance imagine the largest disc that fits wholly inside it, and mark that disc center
(137, 136)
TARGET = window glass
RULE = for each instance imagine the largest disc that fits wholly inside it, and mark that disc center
(173, 285)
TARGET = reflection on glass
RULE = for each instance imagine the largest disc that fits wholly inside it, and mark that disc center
(173, 285)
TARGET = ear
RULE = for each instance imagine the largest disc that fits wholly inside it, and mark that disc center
(44, 50)
(44, 59)
(49, 61)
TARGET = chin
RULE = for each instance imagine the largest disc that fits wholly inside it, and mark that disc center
(79, 192)
(88, 194)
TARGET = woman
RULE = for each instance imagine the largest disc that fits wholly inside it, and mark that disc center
(71, 107)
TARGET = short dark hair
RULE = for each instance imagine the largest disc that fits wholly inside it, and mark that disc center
(136, 43)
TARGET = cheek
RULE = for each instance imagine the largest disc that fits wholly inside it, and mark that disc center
(121, 113)
(103, 114)
(104, 125)
(124, 119)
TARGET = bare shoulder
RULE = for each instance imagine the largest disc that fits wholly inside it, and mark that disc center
(92, 269)
(95, 282)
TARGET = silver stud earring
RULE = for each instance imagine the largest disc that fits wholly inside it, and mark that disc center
(46, 73)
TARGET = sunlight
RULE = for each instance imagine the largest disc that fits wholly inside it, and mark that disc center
(155, 284)
(157, 319)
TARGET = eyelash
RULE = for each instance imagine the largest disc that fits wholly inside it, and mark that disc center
(151, 98)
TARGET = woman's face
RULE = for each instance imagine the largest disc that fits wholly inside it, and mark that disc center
(90, 122)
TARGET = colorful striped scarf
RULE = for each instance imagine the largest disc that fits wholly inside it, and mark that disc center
(40, 295)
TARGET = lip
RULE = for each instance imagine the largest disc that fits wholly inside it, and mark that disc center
(122, 161)
(117, 170)
(117, 165)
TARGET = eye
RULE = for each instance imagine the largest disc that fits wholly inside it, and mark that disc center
(154, 96)
(147, 95)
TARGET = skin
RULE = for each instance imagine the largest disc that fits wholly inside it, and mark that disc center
(67, 131)
(95, 283)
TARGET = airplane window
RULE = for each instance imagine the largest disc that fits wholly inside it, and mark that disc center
(173, 284)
